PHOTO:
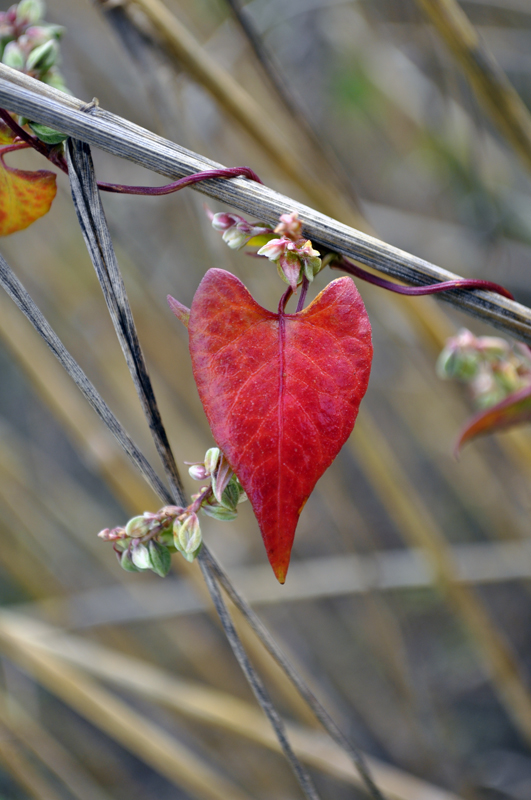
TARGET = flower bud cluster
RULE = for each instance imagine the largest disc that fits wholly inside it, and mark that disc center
(148, 541)
(294, 255)
(30, 44)
(222, 498)
(237, 231)
(489, 365)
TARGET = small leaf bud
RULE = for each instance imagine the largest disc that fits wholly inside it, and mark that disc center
(212, 457)
(46, 134)
(187, 535)
(198, 472)
(13, 56)
(126, 562)
(213, 509)
(30, 11)
(43, 57)
(137, 527)
(160, 558)
(221, 478)
(141, 557)
(231, 496)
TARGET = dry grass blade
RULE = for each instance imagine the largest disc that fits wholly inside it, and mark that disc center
(115, 135)
(490, 83)
(49, 751)
(16, 762)
(106, 711)
(207, 705)
(97, 238)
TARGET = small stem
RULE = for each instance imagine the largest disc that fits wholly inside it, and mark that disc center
(51, 153)
(11, 148)
(198, 502)
(22, 134)
(169, 188)
(302, 296)
(344, 264)
(284, 299)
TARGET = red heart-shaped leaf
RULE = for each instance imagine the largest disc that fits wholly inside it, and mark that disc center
(281, 392)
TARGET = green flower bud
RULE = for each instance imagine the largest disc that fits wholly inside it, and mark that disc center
(212, 457)
(166, 537)
(460, 364)
(187, 536)
(31, 11)
(312, 266)
(13, 56)
(126, 562)
(160, 558)
(231, 496)
(140, 557)
(137, 527)
(43, 57)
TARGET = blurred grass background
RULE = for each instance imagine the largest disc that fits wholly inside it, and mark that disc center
(426, 672)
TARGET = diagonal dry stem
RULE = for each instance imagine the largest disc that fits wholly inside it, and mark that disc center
(111, 133)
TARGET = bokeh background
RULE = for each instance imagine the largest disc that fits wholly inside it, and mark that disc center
(110, 682)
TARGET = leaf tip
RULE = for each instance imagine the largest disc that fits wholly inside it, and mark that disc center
(280, 570)
(181, 312)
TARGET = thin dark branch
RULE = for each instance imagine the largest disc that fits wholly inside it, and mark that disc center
(48, 106)
(256, 684)
(305, 692)
(22, 299)
(97, 238)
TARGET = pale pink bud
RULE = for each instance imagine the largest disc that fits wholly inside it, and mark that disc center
(290, 225)
(275, 248)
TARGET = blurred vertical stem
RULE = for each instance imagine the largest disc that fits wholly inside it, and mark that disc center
(415, 522)
(489, 82)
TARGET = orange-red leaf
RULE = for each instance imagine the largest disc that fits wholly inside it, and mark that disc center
(281, 392)
(24, 197)
(6, 134)
(514, 410)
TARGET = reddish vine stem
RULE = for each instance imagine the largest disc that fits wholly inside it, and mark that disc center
(57, 158)
(345, 265)
(11, 148)
(339, 262)
(196, 177)
(48, 151)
